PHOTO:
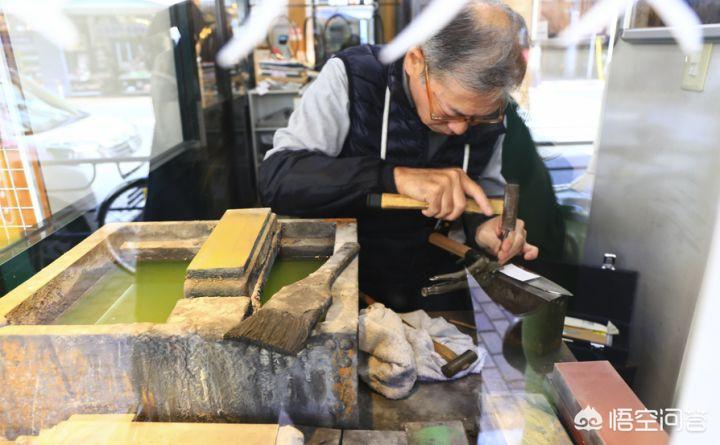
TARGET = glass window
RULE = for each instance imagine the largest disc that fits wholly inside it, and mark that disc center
(79, 123)
(562, 97)
(708, 11)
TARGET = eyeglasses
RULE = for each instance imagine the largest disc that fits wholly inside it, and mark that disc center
(494, 118)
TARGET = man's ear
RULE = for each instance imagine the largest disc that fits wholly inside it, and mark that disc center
(414, 62)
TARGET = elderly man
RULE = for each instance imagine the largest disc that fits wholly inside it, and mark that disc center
(429, 126)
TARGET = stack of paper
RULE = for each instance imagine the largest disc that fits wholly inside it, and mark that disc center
(281, 68)
(578, 329)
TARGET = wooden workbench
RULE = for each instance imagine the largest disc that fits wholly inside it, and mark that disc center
(506, 369)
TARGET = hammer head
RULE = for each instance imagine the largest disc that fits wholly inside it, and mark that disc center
(459, 363)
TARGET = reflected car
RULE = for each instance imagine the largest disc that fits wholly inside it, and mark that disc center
(73, 145)
(59, 130)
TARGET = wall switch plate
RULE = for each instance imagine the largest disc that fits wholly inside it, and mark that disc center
(696, 69)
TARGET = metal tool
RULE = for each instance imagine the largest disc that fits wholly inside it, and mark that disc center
(518, 297)
(482, 268)
(479, 265)
(455, 363)
(510, 209)
(476, 264)
(483, 272)
(548, 286)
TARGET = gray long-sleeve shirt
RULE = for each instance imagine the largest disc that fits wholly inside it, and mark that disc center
(321, 123)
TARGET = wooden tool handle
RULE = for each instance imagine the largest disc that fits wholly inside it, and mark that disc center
(455, 363)
(336, 264)
(402, 202)
(445, 243)
(367, 299)
(445, 352)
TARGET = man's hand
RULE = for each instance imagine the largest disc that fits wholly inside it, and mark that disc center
(488, 237)
(444, 189)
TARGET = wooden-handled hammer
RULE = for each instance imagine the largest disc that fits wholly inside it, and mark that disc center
(394, 201)
(455, 363)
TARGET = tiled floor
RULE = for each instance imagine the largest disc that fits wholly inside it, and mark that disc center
(498, 332)
(493, 323)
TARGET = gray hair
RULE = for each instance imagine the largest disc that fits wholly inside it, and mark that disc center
(482, 48)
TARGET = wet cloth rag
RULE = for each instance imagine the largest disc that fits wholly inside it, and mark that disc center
(395, 355)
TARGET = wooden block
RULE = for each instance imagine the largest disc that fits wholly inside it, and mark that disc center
(150, 250)
(35, 301)
(366, 437)
(208, 276)
(429, 433)
(231, 246)
(587, 335)
(307, 247)
(596, 389)
(519, 418)
(107, 432)
(210, 317)
(102, 417)
(230, 285)
(256, 288)
(321, 436)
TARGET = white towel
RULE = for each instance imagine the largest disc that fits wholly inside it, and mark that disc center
(423, 331)
(394, 355)
(389, 365)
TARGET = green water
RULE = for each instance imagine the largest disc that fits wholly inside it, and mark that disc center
(287, 271)
(119, 296)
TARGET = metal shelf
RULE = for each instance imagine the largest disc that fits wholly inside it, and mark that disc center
(263, 105)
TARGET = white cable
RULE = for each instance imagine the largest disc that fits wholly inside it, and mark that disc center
(466, 158)
(386, 115)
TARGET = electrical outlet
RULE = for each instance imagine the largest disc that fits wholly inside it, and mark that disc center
(696, 69)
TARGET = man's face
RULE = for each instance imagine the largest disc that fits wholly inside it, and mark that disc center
(442, 96)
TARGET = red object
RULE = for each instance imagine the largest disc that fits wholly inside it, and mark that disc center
(598, 407)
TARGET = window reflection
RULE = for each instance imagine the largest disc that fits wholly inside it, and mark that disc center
(708, 11)
(80, 123)
(563, 101)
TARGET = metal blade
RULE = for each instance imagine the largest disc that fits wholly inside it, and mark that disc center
(516, 296)
(551, 287)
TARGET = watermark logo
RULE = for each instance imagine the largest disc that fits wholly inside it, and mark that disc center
(588, 419)
(627, 419)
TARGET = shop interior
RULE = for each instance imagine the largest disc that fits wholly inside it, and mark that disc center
(137, 241)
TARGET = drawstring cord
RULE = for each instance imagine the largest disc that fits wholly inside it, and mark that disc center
(383, 137)
(386, 115)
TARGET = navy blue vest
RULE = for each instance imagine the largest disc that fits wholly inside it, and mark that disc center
(407, 135)
(395, 258)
